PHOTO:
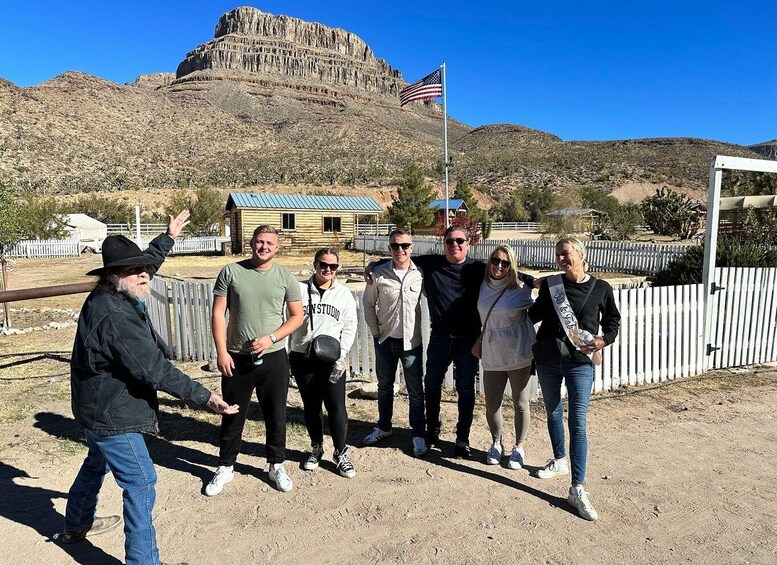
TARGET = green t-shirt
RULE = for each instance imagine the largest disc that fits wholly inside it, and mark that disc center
(256, 301)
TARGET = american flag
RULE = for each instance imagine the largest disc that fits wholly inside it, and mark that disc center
(428, 87)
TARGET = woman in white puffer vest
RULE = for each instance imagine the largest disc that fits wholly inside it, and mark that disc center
(333, 311)
(507, 339)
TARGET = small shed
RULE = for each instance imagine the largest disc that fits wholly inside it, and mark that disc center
(456, 207)
(89, 231)
(583, 220)
(302, 221)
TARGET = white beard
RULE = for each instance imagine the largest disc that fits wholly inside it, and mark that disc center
(137, 292)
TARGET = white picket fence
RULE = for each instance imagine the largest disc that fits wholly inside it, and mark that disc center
(602, 256)
(28, 248)
(51, 248)
(660, 338)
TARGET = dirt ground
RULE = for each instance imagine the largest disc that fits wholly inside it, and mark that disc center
(680, 473)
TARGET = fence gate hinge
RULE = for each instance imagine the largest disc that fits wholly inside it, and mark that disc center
(715, 288)
(711, 348)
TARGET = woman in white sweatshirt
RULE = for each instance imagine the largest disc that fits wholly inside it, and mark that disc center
(508, 336)
(333, 311)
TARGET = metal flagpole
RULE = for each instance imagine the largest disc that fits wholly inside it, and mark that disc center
(445, 141)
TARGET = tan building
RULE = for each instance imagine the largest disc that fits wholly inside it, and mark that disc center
(303, 221)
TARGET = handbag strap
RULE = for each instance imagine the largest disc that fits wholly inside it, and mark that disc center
(310, 306)
(489, 311)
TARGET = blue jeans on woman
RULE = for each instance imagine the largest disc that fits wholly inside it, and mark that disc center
(578, 378)
(126, 456)
(387, 355)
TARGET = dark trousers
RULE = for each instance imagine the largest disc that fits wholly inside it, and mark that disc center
(271, 382)
(316, 390)
(440, 353)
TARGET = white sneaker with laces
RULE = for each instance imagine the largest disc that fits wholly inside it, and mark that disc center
(376, 436)
(419, 447)
(222, 476)
(316, 453)
(582, 502)
(280, 477)
(494, 455)
(517, 458)
(553, 468)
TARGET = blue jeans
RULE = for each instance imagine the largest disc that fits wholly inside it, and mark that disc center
(578, 378)
(387, 355)
(126, 456)
(440, 353)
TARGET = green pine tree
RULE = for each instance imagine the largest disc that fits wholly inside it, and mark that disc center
(409, 209)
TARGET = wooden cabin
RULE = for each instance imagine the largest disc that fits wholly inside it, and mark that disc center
(303, 221)
(456, 207)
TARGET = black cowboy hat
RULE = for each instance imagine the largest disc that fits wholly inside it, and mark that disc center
(119, 251)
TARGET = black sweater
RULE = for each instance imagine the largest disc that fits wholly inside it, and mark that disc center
(599, 309)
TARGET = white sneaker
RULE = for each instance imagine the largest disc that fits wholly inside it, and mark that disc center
(517, 458)
(419, 447)
(553, 468)
(376, 435)
(494, 455)
(316, 453)
(222, 476)
(582, 502)
(279, 476)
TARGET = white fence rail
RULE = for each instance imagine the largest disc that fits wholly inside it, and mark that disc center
(603, 256)
(130, 230)
(31, 248)
(517, 226)
(660, 337)
(374, 229)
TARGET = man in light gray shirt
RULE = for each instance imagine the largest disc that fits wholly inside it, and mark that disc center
(392, 310)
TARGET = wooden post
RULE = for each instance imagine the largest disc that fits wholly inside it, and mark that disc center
(3, 286)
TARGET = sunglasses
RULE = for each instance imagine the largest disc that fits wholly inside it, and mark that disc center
(396, 246)
(497, 262)
(330, 266)
(452, 240)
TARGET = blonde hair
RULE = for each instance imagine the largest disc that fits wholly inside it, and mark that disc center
(512, 273)
(577, 245)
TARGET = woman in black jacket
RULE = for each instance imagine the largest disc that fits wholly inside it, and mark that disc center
(566, 352)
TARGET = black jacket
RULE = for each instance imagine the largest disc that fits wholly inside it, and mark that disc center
(118, 363)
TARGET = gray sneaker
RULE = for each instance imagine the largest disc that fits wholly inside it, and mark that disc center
(419, 446)
(99, 526)
(553, 468)
(582, 502)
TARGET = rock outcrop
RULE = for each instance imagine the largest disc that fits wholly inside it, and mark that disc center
(281, 51)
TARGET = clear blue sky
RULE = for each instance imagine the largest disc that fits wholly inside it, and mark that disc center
(581, 70)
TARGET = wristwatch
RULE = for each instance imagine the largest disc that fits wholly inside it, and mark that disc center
(273, 338)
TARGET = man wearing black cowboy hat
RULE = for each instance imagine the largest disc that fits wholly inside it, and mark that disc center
(117, 367)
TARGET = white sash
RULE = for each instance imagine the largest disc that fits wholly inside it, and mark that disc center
(579, 337)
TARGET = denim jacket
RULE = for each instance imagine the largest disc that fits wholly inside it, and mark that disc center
(118, 363)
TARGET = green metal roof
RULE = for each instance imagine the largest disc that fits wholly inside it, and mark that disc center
(302, 202)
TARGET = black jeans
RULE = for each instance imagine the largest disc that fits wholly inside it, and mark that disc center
(315, 389)
(271, 382)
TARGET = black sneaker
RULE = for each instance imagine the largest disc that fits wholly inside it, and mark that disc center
(462, 450)
(433, 437)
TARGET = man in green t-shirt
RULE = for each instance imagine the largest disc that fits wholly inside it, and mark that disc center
(251, 351)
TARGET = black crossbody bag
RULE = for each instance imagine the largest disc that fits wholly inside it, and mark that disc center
(323, 348)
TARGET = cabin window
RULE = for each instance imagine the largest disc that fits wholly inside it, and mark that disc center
(331, 224)
(289, 222)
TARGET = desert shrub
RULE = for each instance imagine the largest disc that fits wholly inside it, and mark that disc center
(731, 252)
(670, 213)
